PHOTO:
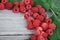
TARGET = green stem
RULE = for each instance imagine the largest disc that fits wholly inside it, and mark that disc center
(54, 14)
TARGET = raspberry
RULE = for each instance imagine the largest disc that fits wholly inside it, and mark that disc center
(16, 4)
(39, 7)
(2, 6)
(30, 26)
(41, 18)
(36, 23)
(37, 32)
(44, 34)
(28, 7)
(35, 15)
(41, 10)
(22, 9)
(16, 9)
(46, 39)
(30, 12)
(27, 2)
(33, 37)
(52, 26)
(26, 15)
(49, 20)
(39, 28)
(49, 32)
(44, 26)
(32, 3)
(40, 38)
(22, 4)
(34, 9)
(9, 5)
(4, 1)
(30, 19)
(44, 15)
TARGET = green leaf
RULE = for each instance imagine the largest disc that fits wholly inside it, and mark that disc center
(44, 3)
(56, 7)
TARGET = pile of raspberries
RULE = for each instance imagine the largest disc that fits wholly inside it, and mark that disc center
(35, 15)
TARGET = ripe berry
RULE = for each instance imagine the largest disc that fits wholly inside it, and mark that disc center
(41, 10)
(4, 1)
(41, 18)
(27, 2)
(30, 19)
(44, 34)
(37, 32)
(39, 7)
(30, 26)
(39, 28)
(22, 4)
(34, 9)
(32, 3)
(9, 5)
(44, 15)
(30, 12)
(28, 7)
(36, 23)
(49, 32)
(33, 37)
(16, 9)
(26, 15)
(22, 9)
(44, 26)
(52, 26)
(49, 20)
(2, 6)
(40, 38)
(16, 4)
(35, 15)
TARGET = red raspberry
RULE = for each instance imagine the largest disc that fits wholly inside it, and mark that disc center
(41, 10)
(34, 9)
(22, 4)
(44, 34)
(9, 5)
(16, 9)
(40, 38)
(37, 32)
(30, 19)
(30, 12)
(30, 26)
(46, 38)
(22, 9)
(49, 32)
(4, 1)
(41, 18)
(39, 28)
(33, 37)
(44, 15)
(26, 15)
(16, 3)
(32, 3)
(44, 26)
(35, 15)
(39, 7)
(28, 7)
(1, 6)
(27, 2)
(36, 23)
(52, 26)
(49, 20)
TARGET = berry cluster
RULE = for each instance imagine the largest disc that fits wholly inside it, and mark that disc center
(36, 18)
